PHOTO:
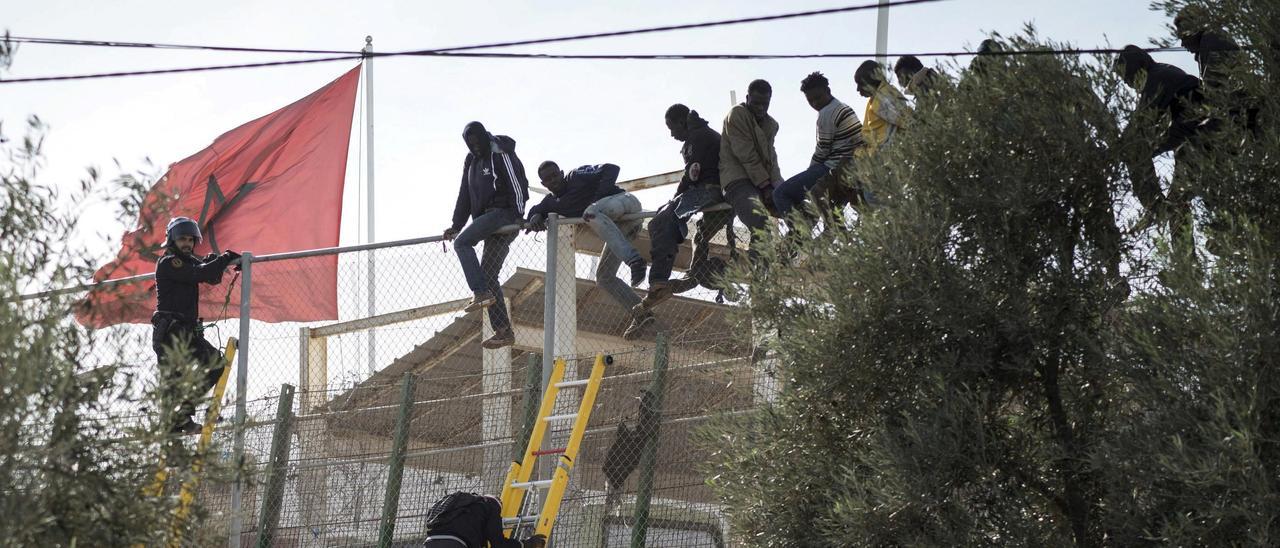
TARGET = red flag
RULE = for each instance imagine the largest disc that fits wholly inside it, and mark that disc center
(269, 186)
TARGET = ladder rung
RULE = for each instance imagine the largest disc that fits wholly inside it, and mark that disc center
(567, 384)
(534, 484)
(567, 417)
(520, 520)
(559, 451)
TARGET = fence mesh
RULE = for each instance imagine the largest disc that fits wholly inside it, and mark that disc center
(400, 316)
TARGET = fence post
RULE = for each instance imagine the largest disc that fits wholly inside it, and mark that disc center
(242, 386)
(395, 469)
(273, 499)
(549, 300)
(532, 399)
(649, 453)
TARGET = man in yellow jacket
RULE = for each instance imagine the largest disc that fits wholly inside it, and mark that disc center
(886, 110)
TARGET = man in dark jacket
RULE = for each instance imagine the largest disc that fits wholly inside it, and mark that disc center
(493, 194)
(176, 321)
(592, 192)
(1217, 55)
(476, 526)
(699, 188)
(1162, 89)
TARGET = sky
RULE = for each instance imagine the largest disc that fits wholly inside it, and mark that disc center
(571, 111)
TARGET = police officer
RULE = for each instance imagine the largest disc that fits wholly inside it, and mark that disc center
(468, 520)
(176, 322)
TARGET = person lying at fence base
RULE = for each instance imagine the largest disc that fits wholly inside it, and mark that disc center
(493, 194)
(470, 520)
(592, 192)
(176, 323)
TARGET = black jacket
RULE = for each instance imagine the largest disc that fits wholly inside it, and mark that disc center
(1214, 53)
(499, 183)
(582, 187)
(178, 279)
(479, 524)
(1169, 89)
(702, 147)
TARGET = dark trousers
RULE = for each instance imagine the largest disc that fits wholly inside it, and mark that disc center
(483, 273)
(791, 193)
(169, 335)
(748, 202)
(670, 227)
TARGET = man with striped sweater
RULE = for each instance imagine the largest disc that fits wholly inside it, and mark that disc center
(493, 193)
(839, 133)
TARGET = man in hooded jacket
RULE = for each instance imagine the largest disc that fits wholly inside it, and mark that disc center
(699, 189)
(493, 195)
(1162, 89)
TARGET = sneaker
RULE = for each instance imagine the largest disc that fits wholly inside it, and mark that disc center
(638, 269)
(683, 284)
(501, 339)
(482, 299)
(638, 324)
(657, 294)
(187, 427)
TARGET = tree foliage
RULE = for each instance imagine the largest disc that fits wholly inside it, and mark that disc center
(72, 468)
(993, 355)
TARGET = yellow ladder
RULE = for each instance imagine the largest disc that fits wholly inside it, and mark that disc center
(517, 483)
(187, 493)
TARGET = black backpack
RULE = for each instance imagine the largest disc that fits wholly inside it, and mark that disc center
(449, 507)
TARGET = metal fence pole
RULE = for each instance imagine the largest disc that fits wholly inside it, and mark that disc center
(395, 468)
(649, 453)
(549, 300)
(273, 499)
(242, 386)
(532, 399)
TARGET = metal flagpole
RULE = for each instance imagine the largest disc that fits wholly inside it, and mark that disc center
(882, 35)
(368, 106)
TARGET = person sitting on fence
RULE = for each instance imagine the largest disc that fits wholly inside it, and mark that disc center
(913, 76)
(591, 192)
(470, 520)
(699, 188)
(886, 110)
(1161, 88)
(839, 133)
(749, 160)
(493, 194)
(176, 322)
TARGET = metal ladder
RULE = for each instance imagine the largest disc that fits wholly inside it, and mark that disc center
(187, 491)
(517, 483)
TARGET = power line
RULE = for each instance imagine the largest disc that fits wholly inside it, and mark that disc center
(767, 56)
(156, 45)
(577, 37)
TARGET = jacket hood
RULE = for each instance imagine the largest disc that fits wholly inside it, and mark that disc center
(694, 121)
(507, 144)
(1131, 60)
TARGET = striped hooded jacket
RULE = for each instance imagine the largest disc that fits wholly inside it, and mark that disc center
(498, 182)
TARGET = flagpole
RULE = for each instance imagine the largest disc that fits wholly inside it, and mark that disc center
(368, 106)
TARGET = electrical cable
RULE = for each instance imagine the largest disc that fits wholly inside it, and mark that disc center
(438, 51)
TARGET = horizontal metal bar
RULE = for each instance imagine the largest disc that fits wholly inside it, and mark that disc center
(520, 520)
(538, 484)
(556, 451)
(554, 418)
(569, 384)
(324, 251)
(390, 318)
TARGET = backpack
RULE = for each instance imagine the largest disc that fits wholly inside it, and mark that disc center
(449, 507)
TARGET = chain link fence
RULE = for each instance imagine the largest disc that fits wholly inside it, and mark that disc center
(355, 426)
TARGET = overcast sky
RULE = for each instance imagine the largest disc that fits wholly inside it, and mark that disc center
(575, 112)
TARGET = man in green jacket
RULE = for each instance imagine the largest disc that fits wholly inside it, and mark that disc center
(748, 160)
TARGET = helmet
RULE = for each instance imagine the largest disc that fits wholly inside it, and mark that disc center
(181, 226)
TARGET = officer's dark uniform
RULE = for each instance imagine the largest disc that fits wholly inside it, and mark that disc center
(176, 320)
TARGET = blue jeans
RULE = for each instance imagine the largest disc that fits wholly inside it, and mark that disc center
(600, 217)
(483, 274)
(792, 193)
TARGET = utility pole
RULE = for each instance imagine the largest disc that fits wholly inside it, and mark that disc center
(882, 35)
(369, 237)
